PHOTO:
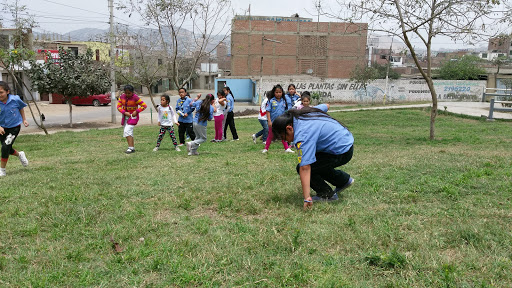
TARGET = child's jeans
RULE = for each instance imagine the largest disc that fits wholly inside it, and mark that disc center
(264, 131)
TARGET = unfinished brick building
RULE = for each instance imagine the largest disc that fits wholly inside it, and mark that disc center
(265, 46)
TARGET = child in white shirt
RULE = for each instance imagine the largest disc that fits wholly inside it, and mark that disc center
(166, 119)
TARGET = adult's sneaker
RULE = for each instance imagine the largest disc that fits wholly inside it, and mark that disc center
(254, 138)
(289, 150)
(349, 183)
(323, 199)
(129, 151)
(23, 158)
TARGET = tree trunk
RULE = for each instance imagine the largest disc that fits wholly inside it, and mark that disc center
(433, 113)
(70, 113)
(34, 101)
(151, 96)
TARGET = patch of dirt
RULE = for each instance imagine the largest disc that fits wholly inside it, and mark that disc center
(246, 112)
(82, 125)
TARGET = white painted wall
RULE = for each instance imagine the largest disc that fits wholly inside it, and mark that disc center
(410, 90)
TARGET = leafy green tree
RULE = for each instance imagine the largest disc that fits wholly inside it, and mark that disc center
(382, 70)
(70, 75)
(463, 68)
(364, 75)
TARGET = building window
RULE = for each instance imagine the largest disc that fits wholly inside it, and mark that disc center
(4, 41)
(74, 50)
(97, 54)
(484, 55)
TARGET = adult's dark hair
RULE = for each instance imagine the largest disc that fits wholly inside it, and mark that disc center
(4, 85)
(278, 86)
(128, 87)
(229, 92)
(205, 107)
(306, 113)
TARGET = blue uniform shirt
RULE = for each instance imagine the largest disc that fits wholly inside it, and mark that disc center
(294, 97)
(320, 134)
(276, 107)
(183, 107)
(197, 106)
(10, 111)
(231, 102)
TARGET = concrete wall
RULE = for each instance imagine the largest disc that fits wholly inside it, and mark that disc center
(403, 90)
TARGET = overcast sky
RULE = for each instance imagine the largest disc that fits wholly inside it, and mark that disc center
(62, 16)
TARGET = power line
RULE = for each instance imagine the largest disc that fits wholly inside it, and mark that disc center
(57, 3)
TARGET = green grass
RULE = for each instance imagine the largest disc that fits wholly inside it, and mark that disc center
(421, 213)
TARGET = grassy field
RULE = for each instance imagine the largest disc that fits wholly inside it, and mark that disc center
(421, 213)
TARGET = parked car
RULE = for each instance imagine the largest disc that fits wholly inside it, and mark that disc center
(96, 100)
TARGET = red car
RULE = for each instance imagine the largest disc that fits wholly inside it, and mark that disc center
(96, 100)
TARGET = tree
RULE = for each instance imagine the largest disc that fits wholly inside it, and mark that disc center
(424, 20)
(463, 68)
(364, 75)
(145, 64)
(382, 70)
(70, 75)
(13, 59)
(208, 18)
(499, 62)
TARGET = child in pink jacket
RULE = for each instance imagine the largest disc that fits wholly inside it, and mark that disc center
(128, 105)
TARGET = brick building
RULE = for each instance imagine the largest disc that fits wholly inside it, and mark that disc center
(293, 45)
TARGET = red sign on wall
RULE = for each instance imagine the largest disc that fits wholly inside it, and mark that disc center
(54, 54)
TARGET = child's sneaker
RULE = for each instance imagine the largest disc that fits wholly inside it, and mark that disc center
(23, 158)
(181, 144)
(155, 149)
(9, 139)
(177, 148)
(189, 146)
(129, 151)
(264, 151)
(254, 138)
(2, 172)
(322, 199)
(289, 150)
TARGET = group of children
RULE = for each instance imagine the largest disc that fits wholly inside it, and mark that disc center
(194, 127)
(274, 105)
(323, 143)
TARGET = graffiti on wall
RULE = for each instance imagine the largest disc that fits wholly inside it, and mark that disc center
(403, 90)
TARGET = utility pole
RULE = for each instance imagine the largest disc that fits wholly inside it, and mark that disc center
(113, 99)
(387, 71)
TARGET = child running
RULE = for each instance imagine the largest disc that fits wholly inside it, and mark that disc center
(323, 144)
(128, 105)
(11, 117)
(276, 106)
(292, 94)
(204, 112)
(166, 119)
(262, 118)
(218, 115)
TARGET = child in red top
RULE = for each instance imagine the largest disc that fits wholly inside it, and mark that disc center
(128, 105)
